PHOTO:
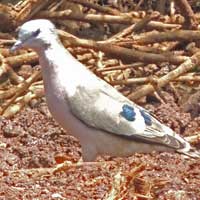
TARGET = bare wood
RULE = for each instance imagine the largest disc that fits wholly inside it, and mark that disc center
(144, 80)
(161, 5)
(97, 7)
(157, 37)
(29, 9)
(134, 65)
(138, 5)
(6, 18)
(6, 52)
(6, 69)
(194, 139)
(135, 27)
(187, 12)
(13, 109)
(86, 17)
(143, 22)
(189, 64)
(28, 58)
(21, 89)
(128, 55)
(122, 19)
(6, 36)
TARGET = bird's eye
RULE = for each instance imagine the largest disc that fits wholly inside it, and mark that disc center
(36, 33)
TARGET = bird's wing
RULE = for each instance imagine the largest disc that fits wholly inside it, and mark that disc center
(103, 107)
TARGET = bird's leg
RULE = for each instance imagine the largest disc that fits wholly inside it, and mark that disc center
(68, 165)
(37, 172)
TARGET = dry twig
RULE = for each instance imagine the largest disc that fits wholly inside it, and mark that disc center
(128, 55)
(189, 64)
(21, 88)
(156, 37)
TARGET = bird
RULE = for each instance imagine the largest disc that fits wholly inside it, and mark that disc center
(87, 107)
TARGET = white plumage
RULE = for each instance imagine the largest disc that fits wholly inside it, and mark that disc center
(104, 120)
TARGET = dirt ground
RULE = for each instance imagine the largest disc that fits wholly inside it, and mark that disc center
(31, 143)
(32, 146)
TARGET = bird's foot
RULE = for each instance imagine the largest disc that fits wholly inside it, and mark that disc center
(66, 165)
(69, 165)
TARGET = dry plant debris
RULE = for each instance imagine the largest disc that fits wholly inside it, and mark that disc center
(148, 50)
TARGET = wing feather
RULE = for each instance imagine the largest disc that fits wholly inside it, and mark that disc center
(99, 107)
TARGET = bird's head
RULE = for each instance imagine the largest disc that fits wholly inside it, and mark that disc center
(35, 34)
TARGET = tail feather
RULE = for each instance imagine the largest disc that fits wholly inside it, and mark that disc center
(185, 147)
(192, 152)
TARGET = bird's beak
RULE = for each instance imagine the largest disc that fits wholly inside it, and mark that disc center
(16, 46)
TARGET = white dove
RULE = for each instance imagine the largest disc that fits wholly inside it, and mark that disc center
(105, 121)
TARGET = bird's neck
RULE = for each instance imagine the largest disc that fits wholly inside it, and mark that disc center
(54, 59)
(60, 68)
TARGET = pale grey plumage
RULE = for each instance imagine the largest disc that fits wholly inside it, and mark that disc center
(88, 107)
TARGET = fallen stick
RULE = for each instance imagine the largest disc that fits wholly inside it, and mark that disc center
(187, 12)
(97, 7)
(194, 139)
(128, 55)
(13, 109)
(6, 69)
(16, 61)
(144, 80)
(21, 88)
(135, 27)
(101, 18)
(189, 64)
(157, 37)
(30, 8)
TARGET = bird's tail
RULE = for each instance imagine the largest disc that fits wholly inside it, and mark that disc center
(184, 147)
(191, 152)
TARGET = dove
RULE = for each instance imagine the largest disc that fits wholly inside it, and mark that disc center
(100, 117)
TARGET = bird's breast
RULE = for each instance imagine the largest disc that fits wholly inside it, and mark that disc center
(55, 94)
